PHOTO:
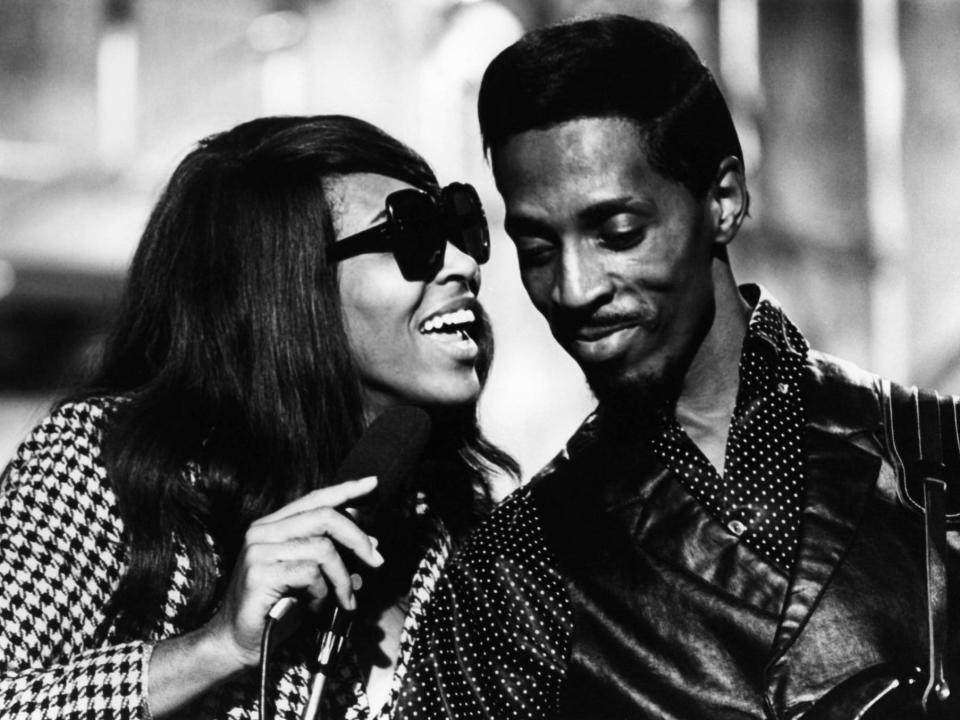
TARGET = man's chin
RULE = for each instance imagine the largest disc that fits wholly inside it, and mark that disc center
(630, 401)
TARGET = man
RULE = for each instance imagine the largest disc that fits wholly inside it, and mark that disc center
(725, 537)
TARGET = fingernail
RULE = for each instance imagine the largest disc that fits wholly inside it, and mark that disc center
(356, 581)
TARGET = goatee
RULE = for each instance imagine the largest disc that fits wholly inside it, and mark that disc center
(632, 405)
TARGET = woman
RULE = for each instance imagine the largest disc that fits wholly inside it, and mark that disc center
(153, 521)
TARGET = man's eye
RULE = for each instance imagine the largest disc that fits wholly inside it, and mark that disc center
(622, 240)
(621, 233)
(534, 254)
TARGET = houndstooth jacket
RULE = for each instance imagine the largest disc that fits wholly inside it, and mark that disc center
(62, 556)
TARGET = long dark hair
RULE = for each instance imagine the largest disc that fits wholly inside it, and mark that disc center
(230, 355)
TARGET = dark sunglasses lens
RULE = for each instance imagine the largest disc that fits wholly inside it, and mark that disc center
(465, 221)
(475, 242)
(418, 237)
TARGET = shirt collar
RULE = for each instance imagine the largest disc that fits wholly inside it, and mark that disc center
(771, 338)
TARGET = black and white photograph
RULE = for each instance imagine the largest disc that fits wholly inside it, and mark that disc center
(479, 360)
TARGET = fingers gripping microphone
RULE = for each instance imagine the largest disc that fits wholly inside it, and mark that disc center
(389, 448)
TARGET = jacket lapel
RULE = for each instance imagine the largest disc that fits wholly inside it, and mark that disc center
(839, 479)
(842, 467)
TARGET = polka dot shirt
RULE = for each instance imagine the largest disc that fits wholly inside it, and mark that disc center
(496, 637)
(759, 496)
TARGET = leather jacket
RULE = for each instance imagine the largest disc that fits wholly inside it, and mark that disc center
(601, 590)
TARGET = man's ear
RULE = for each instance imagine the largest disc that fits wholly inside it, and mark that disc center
(729, 199)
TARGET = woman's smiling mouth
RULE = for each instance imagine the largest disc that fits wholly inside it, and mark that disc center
(452, 329)
(457, 321)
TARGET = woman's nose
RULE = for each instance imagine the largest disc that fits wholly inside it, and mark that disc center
(459, 265)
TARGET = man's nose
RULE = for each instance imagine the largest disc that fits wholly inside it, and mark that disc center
(581, 280)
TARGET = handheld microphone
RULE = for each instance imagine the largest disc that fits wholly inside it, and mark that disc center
(389, 449)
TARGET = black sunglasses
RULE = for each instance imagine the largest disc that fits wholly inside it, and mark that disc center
(418, 228)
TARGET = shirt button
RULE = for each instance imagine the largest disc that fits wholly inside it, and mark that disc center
(736, 527)
(783, 388)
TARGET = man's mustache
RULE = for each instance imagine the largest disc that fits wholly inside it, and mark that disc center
(569, 324)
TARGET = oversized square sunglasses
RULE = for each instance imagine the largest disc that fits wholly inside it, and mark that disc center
(418, 228)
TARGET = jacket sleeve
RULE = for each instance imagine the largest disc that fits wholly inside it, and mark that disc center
(61, 556)
(496, 636)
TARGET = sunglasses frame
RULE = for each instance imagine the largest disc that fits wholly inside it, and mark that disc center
(418, 228)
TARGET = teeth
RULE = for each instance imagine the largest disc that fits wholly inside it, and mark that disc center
(451, 319)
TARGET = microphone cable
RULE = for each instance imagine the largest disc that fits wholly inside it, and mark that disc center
(264, 649)
(280, 609)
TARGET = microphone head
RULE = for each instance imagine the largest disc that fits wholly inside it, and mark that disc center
(390, 449)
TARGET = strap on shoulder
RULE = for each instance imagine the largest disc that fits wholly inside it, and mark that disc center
(922, 430)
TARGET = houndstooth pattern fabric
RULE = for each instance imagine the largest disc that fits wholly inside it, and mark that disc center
(60, 553)
(61, 558)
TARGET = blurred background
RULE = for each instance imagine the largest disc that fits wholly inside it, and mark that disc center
(849, 112)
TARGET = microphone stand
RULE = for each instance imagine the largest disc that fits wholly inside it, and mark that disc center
(331, 642)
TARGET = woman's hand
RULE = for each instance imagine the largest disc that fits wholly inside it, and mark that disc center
(293, 551)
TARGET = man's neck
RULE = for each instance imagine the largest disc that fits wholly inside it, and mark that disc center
(709, 393)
